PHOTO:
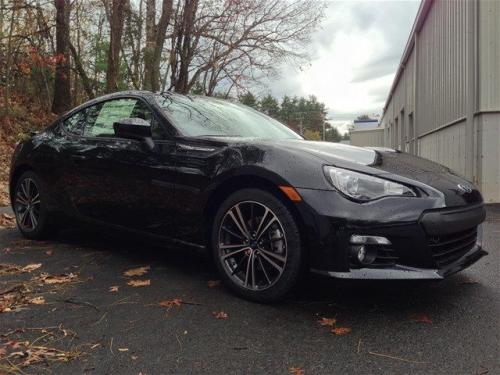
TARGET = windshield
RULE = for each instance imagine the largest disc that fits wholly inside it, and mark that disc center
(204, 116)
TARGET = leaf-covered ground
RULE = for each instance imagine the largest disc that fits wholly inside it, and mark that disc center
(26, 115)
(88, 302)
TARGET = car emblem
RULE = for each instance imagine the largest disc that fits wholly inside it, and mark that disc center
(464, 189)
(435, 240)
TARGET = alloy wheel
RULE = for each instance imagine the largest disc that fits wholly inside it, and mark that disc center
(27, 204)
(252, 245)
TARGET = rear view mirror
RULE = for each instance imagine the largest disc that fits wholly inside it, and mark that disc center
(134, 128)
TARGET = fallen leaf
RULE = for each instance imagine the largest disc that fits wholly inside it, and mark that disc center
(134, 357)
(213, 283)
(327, 322)
(340, 330)
(7, 221)
(37, 301)
(123, 349)
(9, 269)
(219, 315)
(114, 288)
(32, 267)
(136, 283)
(421, 318)
(30, 355)
(296, 371)
(68, 332)
(137, 271)
(171, 302)
(56, 279)
(14, 299)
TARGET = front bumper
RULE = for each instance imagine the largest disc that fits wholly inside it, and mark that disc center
(401, 272)
(428, 241)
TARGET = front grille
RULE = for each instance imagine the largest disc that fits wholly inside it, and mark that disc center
(447, 249)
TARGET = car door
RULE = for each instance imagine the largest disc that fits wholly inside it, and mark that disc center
(122, 181)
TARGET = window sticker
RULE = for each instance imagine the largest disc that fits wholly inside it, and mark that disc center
(111, 112)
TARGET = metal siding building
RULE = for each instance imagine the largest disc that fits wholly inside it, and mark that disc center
(444, 103)
(369, 137)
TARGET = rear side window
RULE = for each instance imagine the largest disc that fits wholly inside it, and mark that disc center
(75, 123)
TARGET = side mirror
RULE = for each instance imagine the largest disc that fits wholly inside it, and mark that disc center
(134, 128)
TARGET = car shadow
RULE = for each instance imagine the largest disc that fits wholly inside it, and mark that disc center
(317, 294)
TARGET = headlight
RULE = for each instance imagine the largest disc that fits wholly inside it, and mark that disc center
(364, 187)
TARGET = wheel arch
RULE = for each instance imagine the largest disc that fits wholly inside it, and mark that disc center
(15, 175)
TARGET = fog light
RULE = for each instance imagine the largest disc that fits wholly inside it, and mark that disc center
(357, 239)
(361, 253)
(364, 254)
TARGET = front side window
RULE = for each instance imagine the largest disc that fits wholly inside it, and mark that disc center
(101, 117)
(203, 116)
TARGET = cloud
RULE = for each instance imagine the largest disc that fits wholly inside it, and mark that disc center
(353, 57)
(377, 68)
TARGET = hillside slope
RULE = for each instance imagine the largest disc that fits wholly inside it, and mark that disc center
(24, 117)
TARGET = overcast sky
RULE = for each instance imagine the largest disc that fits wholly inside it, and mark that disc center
(353, 58)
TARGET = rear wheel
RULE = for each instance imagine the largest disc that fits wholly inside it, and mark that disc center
(256, 245)
(30, 207)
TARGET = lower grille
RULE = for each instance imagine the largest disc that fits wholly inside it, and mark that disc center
(449, 248)
(385, 257)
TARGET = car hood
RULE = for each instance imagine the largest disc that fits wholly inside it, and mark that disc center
(456, 189)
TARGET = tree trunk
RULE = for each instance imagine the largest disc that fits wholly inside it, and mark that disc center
(155, 39)
(150, 43)
(8, 65)
(184, 46)
(62, 87)
(81, 71)
(134, 36)
(116, 21)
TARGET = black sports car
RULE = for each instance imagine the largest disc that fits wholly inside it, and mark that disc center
(266, 203)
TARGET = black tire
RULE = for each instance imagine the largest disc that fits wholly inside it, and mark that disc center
(292, 264)
(44, 221)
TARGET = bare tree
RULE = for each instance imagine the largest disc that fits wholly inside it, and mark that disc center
(234, 42)
(116, 22)
(132, 44)
(62, 85)
(155, 40)
(8, 64)
(184, 46)
(214, 46)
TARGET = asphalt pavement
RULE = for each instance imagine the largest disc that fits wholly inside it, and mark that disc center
(183, 322)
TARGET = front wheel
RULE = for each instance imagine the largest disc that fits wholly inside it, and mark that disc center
(30, 208)
(256, 245)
